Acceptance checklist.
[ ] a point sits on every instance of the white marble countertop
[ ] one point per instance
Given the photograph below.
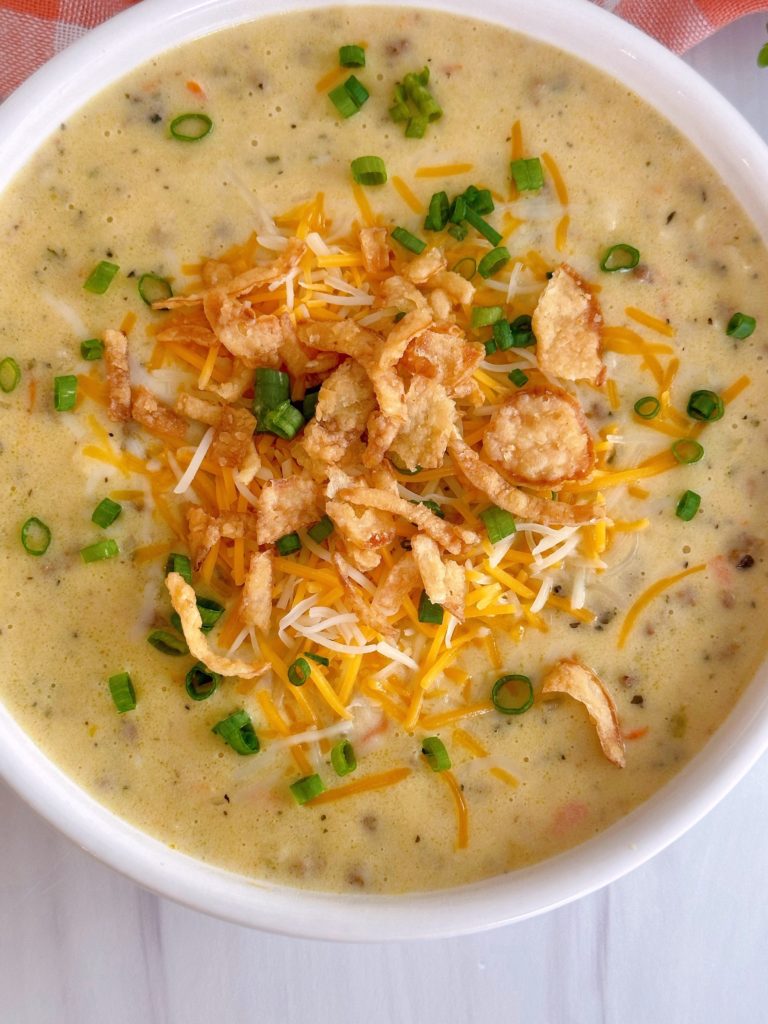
(682, 939)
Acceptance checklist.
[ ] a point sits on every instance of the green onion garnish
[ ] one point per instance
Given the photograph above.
(480, 199)
(318, 658)
(493, 261)
(762, 56)
(408, 241)
(400, 111)
(687, 452)
(101, 277)
(123, 693)
(153, 288)
(416, 127)
(431, 505)
(352, 56)
(35, 536)
(356, 90)
(527, 174)
(498, 523)
(522, 332)
(740, 326)
(238, 732)
(525, 700)
(191, 127)
(502, 335)
(369, 170)
(458, 210)
(518, 378)
(64, 392)
(620, 258)
(321, 531)
(309, 404)
(458, 231)
(180, 564)
(437, 217)
(688, 506)
(167, 643)
(433, 749)
(706, 406)
(307, 789)
(485, 229)
(288, 544)
(343, 758)
(106, 512)
(100, 551)
(210, 612)
(341, 98)
(285, 421)
(270, 389)
(200, 682)
(467, 267)
(484, 316)
(299, 672)
(10, 375)
(429, 612)
(490, 347)
(92, 348)
(647, 407)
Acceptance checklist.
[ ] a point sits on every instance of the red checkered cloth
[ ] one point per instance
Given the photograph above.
(31, 31)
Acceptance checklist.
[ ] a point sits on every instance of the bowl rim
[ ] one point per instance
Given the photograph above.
(735, 150)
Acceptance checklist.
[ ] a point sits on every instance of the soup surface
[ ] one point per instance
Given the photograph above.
(634, 618)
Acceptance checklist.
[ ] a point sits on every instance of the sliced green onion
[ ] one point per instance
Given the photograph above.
(237, 731)
(502, 335)
(518, 378)
(479, 199)
(428, 612)
(91, 349)
(285, 421)
(490, 347)
(467, 267)
(270, 389)
(342, 100)
(522, 332)
(400, 111)
(415, 85)
(620, 258)
(705, 406)
(762, 56)
(64, 392)
(100, 551)
(398, 316)
(318, 658)
(309, 404)
(416, 127)
(180, 564)
(522, 704)
(351, 56)
(408, 241)
(356, 90)
(458, 231)
(299, 672)
(288, 544)
(647, 407)
(307, 789)
(369, 170)
(527, 174)
(200, 682)
(439, 208)
(493, 261)
(322, 530)
(687, 452)
(167, 643)
(153, 288)
(343, 758)
(10, 375)
(402, 469)
(106, 512)
(101, 277)
(485, 229)
(740, 326)
(35, 536)
(458, 210)
(688, 506)
(123, 693)
(210, 612)
(433, 749)
(431, 505)
(498, 523)
(484, 316)
(191, 127)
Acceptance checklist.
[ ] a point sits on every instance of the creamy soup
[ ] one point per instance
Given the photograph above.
(536, 349)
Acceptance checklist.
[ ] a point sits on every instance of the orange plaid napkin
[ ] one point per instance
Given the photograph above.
(31, 31)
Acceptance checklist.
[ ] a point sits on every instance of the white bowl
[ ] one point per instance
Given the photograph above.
(737, 153)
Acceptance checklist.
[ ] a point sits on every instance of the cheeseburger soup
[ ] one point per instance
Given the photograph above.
(382, 450)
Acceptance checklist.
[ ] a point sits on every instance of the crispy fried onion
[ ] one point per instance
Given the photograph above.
(567, 323)
(285, 506)
(572, 677)
(184, 601)
(206, 530)
(233, 439)
(152, 414)
(541, 438)
(444, 581)
(365, 531)
(358, 603)
(118, 376)
(452, 538)
(374, 245)
(256, 599)
(401, 579)
(526, 506)
(445, 355)
(430, 414)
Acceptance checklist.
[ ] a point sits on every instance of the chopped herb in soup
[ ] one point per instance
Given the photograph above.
(382, 448)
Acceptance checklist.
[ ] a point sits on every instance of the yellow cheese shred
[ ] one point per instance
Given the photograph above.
(645, 599)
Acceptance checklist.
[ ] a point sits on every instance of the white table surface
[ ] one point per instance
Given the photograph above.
(682, 939)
